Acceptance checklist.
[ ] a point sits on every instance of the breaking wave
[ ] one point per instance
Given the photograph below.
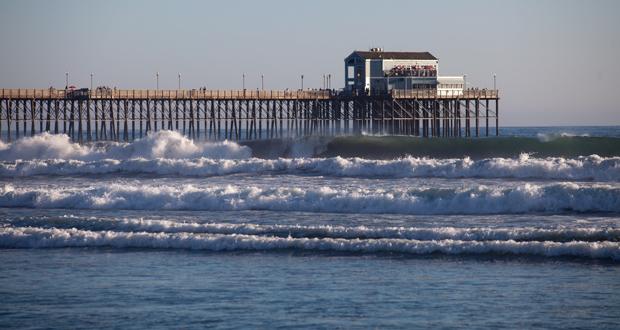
(61, 238)
(557, 234)
(547, 137)
(173, 145)
(161, 144)
(525, 198)
(581, 168)
(389, 147)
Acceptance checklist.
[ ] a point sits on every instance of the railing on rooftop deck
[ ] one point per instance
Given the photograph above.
(433, 93)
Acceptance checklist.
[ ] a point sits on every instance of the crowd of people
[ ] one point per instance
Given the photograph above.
(412, 71)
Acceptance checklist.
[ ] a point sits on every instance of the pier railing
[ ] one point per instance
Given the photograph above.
(195, 94)
(201, 94)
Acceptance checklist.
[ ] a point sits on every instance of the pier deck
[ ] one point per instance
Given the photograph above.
(114, 114)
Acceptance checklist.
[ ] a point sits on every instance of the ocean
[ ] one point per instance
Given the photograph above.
(517, 231)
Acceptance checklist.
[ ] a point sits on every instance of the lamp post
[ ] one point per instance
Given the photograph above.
(91, 81)
(329, 81)
(66, 80)
(243, 81)
(179, 80)
(157, 79)
(302, 82)
(494, 81)
(262, 82)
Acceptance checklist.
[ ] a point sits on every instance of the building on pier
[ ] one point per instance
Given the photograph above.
(378, 72)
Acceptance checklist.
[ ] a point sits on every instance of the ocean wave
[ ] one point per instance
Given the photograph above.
(390, 147)
(547, 137)
(524, 198)
(63, 238)
(581, 168)
(160, 144)
(172, 145)
(556, 234)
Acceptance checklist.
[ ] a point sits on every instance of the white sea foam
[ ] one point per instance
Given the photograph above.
(44, 146)
(559, 233)
(525, 198)
(161, 144)
(169, 153)
(582, 168)
(57, 238)
(547, 137)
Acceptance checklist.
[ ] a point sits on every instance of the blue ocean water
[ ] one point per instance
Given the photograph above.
(164, 232)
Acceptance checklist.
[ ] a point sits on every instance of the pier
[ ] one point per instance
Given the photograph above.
(385, 92)
(124, 115)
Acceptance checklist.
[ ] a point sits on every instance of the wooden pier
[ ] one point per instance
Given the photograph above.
(124, 115)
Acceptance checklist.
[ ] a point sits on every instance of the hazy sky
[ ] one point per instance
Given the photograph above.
(556, 61)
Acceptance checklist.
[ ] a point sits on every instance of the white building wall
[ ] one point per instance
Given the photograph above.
(450, 85)
(367, 75)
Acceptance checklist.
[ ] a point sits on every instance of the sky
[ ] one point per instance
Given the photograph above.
(556, 61)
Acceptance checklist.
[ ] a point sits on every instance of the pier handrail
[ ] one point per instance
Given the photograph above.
(202, 94)
(51, 93)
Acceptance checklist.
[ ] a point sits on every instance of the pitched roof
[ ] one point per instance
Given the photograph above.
(395, 55)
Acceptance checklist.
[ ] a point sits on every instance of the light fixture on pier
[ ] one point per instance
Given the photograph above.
(494, 81)
(91, 81)
(157, 79)
(179, 80)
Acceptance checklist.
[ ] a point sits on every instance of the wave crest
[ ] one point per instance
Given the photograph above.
(526, 198)
(160, 144)
(557, 233)
(582, 168)
(57, 238)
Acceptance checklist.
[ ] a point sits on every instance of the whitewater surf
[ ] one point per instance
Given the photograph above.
(362, 194)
